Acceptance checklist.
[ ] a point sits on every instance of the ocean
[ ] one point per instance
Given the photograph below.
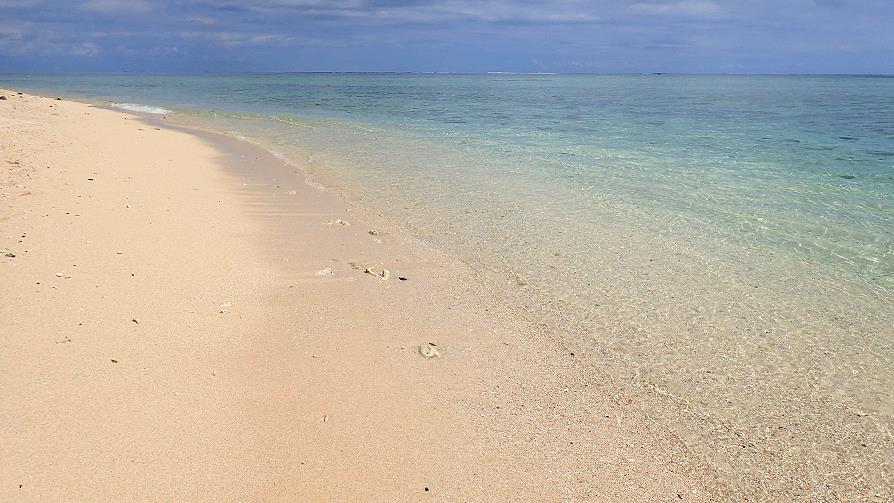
(723, 246)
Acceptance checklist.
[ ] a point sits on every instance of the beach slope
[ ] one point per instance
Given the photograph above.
(184, 318)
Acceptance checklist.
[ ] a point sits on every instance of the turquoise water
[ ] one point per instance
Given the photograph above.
(722, 245)
(803, 163)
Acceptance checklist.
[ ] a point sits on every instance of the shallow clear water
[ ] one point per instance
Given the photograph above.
(802, 163)
(722, 243)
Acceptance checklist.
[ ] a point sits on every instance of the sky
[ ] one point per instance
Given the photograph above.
(567, 36)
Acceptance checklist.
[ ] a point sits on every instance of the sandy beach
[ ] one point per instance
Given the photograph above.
(184, 318)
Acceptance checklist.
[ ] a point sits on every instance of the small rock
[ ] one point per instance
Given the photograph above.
(325, 272)
(135, 320)
(429, 351)
(2, 98)
(114, 360)
(119, 252)
(59, 274)
(385, 274)
(373, 233)
(402, 278)
(370, 270)
(58, 99)
(10, 255)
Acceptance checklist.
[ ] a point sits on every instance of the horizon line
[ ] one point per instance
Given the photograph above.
(481, 73)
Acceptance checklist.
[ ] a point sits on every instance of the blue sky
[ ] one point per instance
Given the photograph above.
(598, 36)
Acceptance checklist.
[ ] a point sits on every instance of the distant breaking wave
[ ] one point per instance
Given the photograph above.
(135, 107)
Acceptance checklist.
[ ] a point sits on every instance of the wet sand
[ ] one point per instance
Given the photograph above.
(184, 317)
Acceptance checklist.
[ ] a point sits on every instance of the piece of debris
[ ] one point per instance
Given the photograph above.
(135, 320)
(402, 278)
(339, 222)
(370, 270)
(429, 351)
(59, 274)
(325, 272)
(373, 233)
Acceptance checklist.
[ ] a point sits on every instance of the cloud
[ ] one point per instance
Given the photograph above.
(116, 6)
(447, 35)
(83, 49)
(12, 32)
(236, 39)
(11, 4)
(680, 8)
(19, 38)
(203, 20)
(431, 11)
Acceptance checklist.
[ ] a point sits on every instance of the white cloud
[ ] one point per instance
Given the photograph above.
(235, 39)
(203, 20)
(13, 31)
(679, 8)
(19, 38)
(19, 3)
(116, 6)
(433, 11)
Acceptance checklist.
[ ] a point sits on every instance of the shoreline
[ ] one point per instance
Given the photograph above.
(773, 444)
(328, 395)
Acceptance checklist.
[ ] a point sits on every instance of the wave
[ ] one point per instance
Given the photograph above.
(136, 107)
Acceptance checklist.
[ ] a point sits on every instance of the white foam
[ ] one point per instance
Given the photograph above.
(135, 107)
